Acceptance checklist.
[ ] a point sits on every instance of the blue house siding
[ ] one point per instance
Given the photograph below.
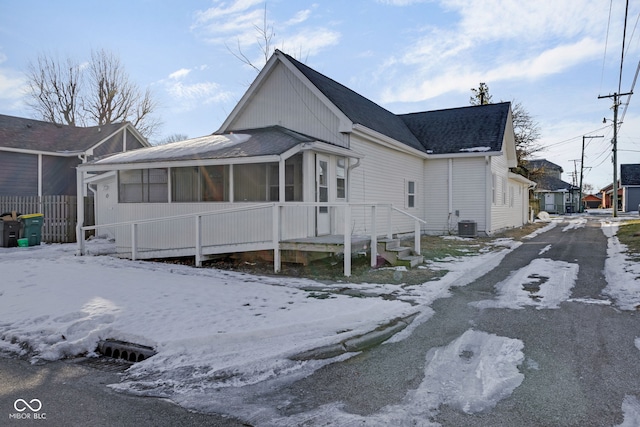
(59, 175)
(18, 174)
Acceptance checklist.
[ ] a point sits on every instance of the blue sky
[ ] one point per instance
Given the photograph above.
(555, 57)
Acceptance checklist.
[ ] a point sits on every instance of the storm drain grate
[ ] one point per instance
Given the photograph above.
(124, 350)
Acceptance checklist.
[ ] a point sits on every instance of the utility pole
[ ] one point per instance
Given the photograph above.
(616, 103)
(582, 167)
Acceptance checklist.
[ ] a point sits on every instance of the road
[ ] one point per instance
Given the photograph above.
(74, 394)
(580, 363)
(580, 359)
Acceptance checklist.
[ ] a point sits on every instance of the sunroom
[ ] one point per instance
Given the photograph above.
(220, 193)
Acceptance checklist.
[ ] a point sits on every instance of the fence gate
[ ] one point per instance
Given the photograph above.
(60, 213)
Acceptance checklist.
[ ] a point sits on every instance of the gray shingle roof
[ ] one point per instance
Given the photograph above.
(630, 174)
(466, 129)
(542, 164)
(29, 134)
(359, 109)
(550, 183)
(473, 128)
(267, 141)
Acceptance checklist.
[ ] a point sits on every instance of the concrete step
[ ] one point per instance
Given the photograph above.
(410, 261)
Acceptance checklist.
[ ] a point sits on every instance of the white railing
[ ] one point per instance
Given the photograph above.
(249, 228)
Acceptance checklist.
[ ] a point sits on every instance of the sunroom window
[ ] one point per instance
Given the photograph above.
(143, 186)
(200, 184)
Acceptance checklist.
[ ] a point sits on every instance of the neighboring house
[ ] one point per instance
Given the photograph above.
(607, 196)
(302, 156)
(554, 195)
(630, 183)
(40, 158)
(592, 201)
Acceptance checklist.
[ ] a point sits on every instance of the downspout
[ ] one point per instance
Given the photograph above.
(450, 188)
(489, 195)
(349, 169)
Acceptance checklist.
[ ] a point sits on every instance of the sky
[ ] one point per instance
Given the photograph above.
(242, 329)
(555, 57)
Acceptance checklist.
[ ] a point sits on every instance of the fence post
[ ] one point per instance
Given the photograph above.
(198, 219)
(374, 238)
(389, 213)
(134, 250)
(277, 262)
(347, 241)
(416, 243)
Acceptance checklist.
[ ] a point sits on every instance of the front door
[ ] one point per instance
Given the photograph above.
(323, 220)
(550, 202)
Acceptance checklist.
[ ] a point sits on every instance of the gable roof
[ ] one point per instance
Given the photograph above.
(543, 164)
(454, 131)
(467, 129)
(630, 174)
(46, 137)
(357, 108)
(550, 183)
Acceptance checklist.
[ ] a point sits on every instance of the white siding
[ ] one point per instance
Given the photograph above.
(382, 178)
(469, 191)
(284, 100)
(436, 184)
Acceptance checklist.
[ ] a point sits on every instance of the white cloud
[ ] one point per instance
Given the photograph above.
(496, 40)
(181, 73)
(197, 93)
(236, 24)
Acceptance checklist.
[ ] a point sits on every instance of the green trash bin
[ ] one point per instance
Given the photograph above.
(32, 228)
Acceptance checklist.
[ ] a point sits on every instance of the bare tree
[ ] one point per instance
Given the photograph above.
(172, 138)
(101, 93)
(265, 36)
(526, 130)
(54, 89)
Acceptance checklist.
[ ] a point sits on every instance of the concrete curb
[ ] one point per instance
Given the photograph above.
(359, 343)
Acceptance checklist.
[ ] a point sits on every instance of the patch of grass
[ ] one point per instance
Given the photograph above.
(629, 235)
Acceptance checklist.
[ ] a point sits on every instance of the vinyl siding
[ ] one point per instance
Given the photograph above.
(382, 178)
(500, 211)
(59, 175)
(284, 100)
(18, 174)
(436, 199)
(469, 191)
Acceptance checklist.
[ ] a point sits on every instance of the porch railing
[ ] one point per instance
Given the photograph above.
(249, 228)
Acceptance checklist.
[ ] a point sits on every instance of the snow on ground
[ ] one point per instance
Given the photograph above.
(228, 327)
(544, 283)
(472, 373)
(579, 222)
(631, 410)
(621, 274)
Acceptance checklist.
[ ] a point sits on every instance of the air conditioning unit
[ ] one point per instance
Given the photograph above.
(467, 228)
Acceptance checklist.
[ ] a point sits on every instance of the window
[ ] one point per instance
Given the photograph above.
(504, 190)
(411, 194)
(293, 179)
(256, 182)
(341, 190)
(200, 184)
(493, 188)
(143, 186)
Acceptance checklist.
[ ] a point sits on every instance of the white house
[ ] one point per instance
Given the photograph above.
(302, 156)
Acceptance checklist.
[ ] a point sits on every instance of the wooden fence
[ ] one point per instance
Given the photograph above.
(60, 214)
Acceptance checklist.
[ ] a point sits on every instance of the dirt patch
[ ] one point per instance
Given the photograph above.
(330, 270)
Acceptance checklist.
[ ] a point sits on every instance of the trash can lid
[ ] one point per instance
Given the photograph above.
(35, 215)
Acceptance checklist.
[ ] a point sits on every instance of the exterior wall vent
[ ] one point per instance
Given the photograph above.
(467, 228)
